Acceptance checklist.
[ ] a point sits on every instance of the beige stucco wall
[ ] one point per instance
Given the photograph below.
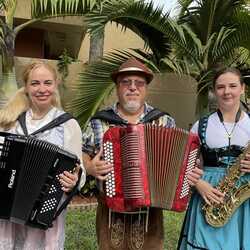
(176, 95)
(114, 39)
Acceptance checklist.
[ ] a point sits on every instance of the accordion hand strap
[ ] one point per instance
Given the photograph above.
(56, 122)
(153, 115)
(69, 196)
(111, 117)
(22, 120)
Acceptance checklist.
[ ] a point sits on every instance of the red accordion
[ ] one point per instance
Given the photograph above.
(151, 164)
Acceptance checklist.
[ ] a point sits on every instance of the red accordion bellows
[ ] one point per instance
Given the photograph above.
(150, 167)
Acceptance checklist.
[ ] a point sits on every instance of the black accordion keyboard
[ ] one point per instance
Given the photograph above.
(30, 191)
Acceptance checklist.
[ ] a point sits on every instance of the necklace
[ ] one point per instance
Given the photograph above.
(37, 118)
(229, 134)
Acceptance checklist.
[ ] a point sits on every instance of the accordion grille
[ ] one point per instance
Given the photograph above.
(131, 172)
(37, 159)
(165, 149)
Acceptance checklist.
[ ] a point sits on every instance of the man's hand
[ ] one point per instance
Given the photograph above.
(98, 167)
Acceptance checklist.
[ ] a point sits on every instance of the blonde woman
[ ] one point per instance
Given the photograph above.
(38, 102)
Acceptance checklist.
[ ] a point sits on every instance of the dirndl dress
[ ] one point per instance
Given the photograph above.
(196, 232)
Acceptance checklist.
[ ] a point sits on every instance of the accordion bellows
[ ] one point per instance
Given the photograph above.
(30, 191)
(151, 164)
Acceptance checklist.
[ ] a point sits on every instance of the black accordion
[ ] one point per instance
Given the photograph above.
(30, 191)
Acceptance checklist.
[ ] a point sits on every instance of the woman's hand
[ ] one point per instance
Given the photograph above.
(245, 164)
(68, 180)
(209, 193)
(195, 175)
(99, 168)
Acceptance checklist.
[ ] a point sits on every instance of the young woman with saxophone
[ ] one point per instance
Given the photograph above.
(223, 134)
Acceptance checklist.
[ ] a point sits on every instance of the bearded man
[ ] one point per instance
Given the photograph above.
(125, 231)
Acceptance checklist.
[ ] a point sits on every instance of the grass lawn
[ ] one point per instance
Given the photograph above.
(80, 230)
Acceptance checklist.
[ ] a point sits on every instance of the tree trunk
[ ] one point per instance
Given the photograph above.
(96, 46)
(202, 106)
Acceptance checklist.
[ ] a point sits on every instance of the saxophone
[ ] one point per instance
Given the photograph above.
(217, 215)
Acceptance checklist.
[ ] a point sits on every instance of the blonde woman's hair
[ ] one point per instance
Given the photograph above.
(20, 102)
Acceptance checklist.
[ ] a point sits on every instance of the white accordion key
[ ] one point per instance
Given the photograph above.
(48, 205)
(108, 157)
(3, 152)
(2, 139)
(52, 189)
(190, 165)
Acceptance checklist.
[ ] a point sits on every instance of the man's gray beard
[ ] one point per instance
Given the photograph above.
(132, 106)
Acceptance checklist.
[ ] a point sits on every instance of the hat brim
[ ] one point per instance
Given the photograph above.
(149, 76)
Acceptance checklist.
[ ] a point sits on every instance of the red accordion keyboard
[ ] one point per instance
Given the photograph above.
(151, 164)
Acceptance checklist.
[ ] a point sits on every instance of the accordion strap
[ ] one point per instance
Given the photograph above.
(69, 196)
(111, 117)
(56, 122)
(153, 115)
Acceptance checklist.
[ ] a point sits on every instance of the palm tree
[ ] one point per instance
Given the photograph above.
(95, 82)
(44, 9)
(8, 33)
(206, 32)
(223, 30)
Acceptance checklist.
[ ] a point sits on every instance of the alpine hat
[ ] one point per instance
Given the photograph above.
(132, 65)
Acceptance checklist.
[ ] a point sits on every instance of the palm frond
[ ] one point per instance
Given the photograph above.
(2, 5)
(174, 65)
(183, 6)
(3, 46)
(222, 45)
(6, 36)
(206, 17)
(43, 9)
(239, 36)
(240, 58)
(158, 31)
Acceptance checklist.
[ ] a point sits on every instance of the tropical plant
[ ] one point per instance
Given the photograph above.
(222, 28)
(51, 8)
(63, 64)
(64, 60)
(8, 33)
(205, 34)
(95, 82)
